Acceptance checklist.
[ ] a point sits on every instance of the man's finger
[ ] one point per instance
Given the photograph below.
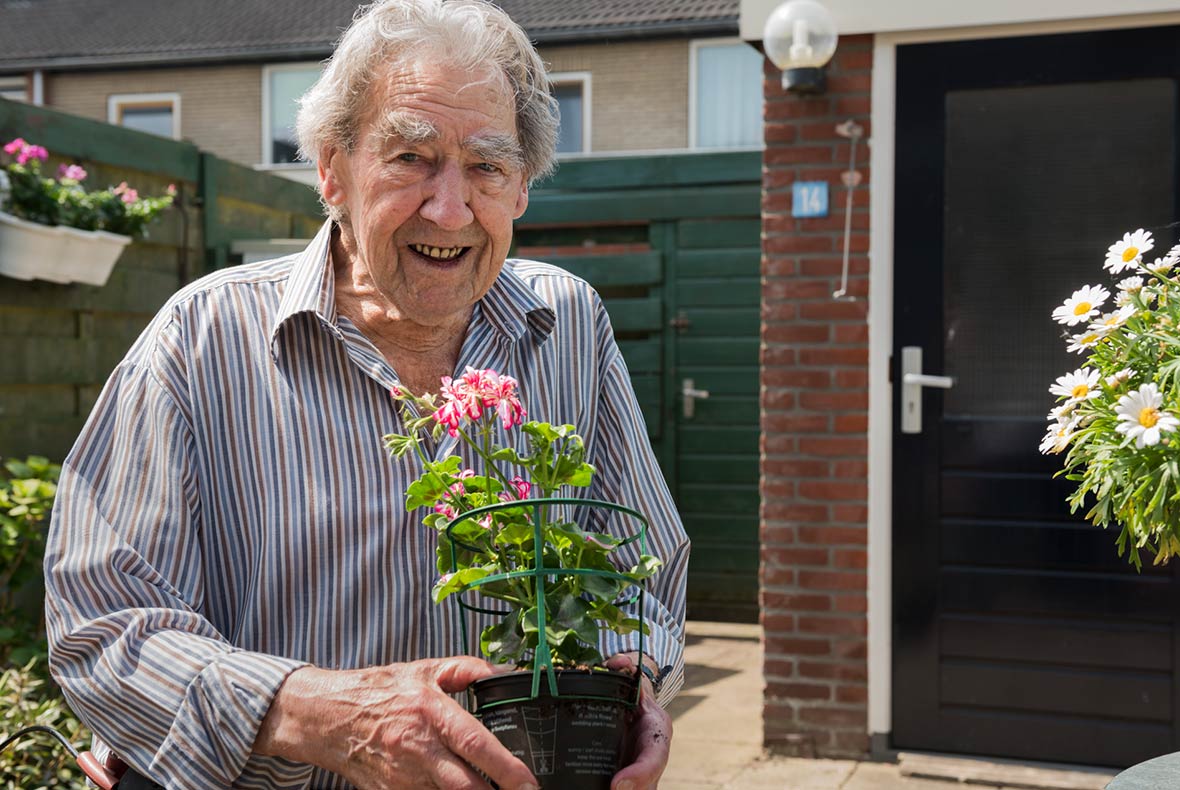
(653, 740)
(448, 772)
(466, 737)
(456, 674)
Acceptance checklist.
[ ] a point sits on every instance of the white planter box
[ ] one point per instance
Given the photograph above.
(29, 251)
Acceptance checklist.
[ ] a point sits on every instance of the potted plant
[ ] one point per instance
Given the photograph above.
(52, 229)
(505, 534)
(1118, 413)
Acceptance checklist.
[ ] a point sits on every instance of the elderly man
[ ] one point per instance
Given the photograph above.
(235, 595)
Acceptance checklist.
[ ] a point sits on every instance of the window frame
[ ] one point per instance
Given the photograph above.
(585, 79)
(267, 161)
(694, 46)
(116, 102)
(13, 82)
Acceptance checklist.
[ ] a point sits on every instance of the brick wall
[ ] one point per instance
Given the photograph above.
(814, 420)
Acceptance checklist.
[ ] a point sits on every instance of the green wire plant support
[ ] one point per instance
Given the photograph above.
(542, 657)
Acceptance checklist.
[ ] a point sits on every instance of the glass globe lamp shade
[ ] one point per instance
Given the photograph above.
(800, 38)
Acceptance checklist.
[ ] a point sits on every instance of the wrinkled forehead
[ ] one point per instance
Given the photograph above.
(435, 89)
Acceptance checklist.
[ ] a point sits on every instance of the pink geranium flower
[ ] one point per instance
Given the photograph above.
(31, 152)
(72, 172)
(476, 392)
(16, 145)
(128, 194)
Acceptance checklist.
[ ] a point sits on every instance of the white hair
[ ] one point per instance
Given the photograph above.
(472, 34)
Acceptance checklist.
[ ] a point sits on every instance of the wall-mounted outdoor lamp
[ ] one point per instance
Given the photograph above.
(800, 38)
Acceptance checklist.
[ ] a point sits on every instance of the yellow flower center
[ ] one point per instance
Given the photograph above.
(1113, 320)
(1149, 416)
(1130, 254)
(1089, 339)
(1080, 391)
(1082, 308)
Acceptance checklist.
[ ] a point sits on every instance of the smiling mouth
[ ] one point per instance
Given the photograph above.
(438, 254)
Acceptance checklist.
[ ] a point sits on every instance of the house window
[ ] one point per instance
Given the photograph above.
(572, 91)
(14, 89)
(281, 88)
(725, 95)
(154, 113)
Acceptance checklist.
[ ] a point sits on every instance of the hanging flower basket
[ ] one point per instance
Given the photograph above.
(31, 251)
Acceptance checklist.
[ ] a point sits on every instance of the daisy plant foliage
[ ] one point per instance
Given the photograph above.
(492, 543)
(1117, 415)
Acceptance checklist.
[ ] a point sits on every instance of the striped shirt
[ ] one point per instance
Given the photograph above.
(229, 513)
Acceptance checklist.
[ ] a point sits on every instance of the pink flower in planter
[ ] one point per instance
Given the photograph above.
(520, 488)
(171, 190)
(31, 152)
(16, 145)
(128, 194)
(72, 172)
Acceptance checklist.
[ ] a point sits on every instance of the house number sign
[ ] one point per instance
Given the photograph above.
(809, 199)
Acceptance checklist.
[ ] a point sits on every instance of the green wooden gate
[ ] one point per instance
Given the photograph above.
(672, 244)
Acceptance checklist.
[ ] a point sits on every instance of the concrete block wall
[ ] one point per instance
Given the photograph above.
(814, 414)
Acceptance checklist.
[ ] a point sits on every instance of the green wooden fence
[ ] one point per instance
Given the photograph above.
(60, 342)
(672, 244)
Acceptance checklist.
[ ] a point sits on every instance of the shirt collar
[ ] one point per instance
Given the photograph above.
(311, 287)
(510, 306)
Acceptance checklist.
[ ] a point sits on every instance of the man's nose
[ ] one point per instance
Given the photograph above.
(447, 196)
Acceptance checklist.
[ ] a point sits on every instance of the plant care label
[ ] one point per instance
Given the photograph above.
(565, 743)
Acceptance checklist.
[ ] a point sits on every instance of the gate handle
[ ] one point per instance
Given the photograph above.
(689, 393)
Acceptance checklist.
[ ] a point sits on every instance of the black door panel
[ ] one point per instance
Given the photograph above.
(1018, 631)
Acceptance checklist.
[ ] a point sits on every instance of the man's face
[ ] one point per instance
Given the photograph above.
(431, 187)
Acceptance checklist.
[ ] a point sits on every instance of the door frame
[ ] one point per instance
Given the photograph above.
(880, 322)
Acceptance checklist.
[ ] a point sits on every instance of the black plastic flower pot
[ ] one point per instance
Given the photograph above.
(574, 741)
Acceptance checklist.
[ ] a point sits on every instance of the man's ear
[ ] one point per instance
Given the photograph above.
(332, 167)
(522, 200)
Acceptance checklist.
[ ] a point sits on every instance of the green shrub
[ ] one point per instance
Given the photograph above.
(36, 760)
(26, 500)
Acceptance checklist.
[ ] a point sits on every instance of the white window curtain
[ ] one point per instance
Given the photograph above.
(728, 96)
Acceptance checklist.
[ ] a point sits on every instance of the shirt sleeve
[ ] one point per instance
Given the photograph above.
(629, 474)
(138, 661)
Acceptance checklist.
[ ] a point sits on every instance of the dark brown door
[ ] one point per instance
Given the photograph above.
(1018, 631)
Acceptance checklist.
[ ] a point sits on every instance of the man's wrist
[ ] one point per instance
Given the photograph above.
(656, 678)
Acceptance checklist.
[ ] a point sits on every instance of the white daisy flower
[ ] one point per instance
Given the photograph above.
(1121, 377)
(1141, 418)
(1080, 343)
(1130, 284)
(1061, 413)
(1173, 254)
(1161, 265)
(1058, 437)
(1078, 386)
(1081, 306)
(1113, 320)
(1122, 299)
(1128, 253)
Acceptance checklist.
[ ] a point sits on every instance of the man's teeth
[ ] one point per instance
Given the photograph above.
(438, 253)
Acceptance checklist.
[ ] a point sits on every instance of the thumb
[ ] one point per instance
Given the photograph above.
(457, 673)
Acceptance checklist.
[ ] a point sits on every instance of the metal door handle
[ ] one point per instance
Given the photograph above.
(690, 393)
(912, 382)
(922, 380)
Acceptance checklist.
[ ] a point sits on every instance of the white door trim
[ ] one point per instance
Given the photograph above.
(880, 434)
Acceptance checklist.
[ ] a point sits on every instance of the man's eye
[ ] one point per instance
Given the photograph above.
(488, 167)
(408, 157)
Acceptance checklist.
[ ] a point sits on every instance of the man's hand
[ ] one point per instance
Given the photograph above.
(390, 727)
(651, 733)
